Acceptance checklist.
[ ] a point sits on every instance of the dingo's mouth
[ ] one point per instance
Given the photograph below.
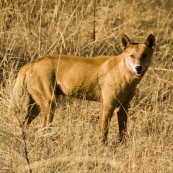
(139, 70)
(139, 74)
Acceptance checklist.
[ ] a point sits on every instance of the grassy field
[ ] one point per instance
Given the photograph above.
(34, 28)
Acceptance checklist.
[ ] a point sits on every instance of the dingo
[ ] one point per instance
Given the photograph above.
(111, 80)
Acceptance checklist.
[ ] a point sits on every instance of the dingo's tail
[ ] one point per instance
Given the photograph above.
(20, 98)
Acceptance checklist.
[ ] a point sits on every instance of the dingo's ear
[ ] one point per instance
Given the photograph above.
(125, 41)
(150, 41)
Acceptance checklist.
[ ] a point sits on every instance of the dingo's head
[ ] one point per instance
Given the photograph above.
(138, 56)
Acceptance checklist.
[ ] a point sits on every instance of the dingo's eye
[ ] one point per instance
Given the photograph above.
(132, 56)
(144, 55)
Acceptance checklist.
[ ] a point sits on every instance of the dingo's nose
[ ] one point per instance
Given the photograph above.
(138, 68)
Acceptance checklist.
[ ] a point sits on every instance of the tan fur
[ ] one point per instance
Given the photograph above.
(111, 80)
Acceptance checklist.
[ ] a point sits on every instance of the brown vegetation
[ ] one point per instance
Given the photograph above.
(30, 29)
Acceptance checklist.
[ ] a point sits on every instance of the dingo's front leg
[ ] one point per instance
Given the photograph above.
(122, 120)
(104, 122)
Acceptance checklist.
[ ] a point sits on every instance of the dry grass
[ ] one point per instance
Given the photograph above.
(30, 29)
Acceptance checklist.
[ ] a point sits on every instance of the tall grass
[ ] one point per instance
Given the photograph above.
(31, 29)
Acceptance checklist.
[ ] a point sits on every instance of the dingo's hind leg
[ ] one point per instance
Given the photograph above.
(47, 109)
(32, 113)
(46, 106)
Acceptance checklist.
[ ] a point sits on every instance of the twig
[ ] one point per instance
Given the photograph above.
(76, 159)
(161, 69)
(25, 148)
(94, 22)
